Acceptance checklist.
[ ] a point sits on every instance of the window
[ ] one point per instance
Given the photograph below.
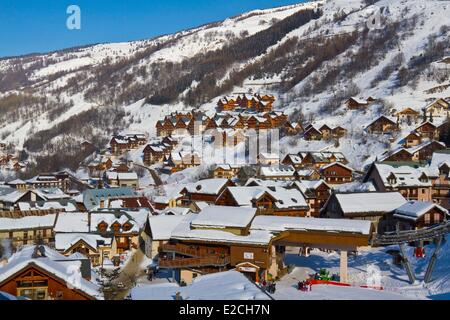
(427, 218)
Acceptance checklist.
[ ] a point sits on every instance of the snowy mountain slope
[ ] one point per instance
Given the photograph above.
(312, 56)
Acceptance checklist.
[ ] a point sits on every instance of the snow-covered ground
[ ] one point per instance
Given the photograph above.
(372, 267)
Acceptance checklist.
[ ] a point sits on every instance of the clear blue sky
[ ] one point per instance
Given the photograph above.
(28, 26)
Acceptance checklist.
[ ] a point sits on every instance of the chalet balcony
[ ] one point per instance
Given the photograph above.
(211, 261)
(192, 251)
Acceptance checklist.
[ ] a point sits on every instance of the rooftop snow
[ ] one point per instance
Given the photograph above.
(224, 216)
(370, 201)
(280, 223)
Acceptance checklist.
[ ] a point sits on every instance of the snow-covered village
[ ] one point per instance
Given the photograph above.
(300, 152)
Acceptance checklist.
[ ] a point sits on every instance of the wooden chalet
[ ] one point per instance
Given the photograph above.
(408, 116)
(428, 130)
(413, 182)
(336, 173)
(316, 193)
(382, 125)
(399, 154)
(207, 190)
(424, 151)
(438, 108)
(362, 205)
(355, 103)
(40, 273)
(312, 134)
(412, 139)
(414, 215)
(326, 131)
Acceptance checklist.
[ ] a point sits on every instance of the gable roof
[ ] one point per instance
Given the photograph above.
(54, 264)
(415, 209)
(369, 201)
(224, 216)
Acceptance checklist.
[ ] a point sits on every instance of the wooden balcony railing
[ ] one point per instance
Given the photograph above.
(194, 262)
(192, 251)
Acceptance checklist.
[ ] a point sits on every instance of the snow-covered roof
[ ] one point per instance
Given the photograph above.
(244, 196)
(55, 264)
(184, 232)
(51, 193)
(415, 209)
(370, 201)
(162, 226)
(207, 186)
(404, 175)
(64, 241)
(337, 164)
(28, 222)
(281, 223)
(48, 205)
(276, 171)
(110, 218)
(72, 222)
(224, 216)
(233, 286)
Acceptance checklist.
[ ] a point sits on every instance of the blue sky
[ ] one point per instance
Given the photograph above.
(28, 26)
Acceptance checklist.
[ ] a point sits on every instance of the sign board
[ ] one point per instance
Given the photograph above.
(247, 269)
(248, 255)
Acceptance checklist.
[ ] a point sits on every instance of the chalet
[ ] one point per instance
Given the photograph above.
(425, 150)
(27, 230)
(61, 181)
(280, 172)
(158, 231)
(226, 171)
(91, 246)
(41, 273)
(440, 164)
(307, 174)
(326, 131)
(207, 190)
(408, 116)
(181, 160)
(312, 134)
(414, 183)
(119, 226)
(362, 206)
(154, 154)
(268, 159)
(336, 173)
(317, 159)
(18, 184)
(10, 198)
(292, 128)
(399, 154)
(355, 103)
(338, 132)
(122, 179)
(428, 130)
(438, 108)
(316, 193)
(415, 215)
(293, 160)
(119, 145)
(220, 238)
(382, 125)
(412, 139)
(273, 200)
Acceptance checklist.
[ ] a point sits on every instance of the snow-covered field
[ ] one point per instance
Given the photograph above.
(373, 267)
